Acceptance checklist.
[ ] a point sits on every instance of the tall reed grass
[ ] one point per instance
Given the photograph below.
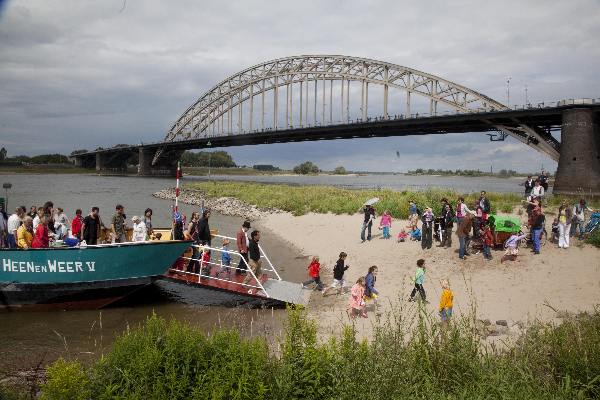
(407, 358)
(300, 200)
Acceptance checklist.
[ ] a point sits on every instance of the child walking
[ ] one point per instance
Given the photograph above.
(338, 274)
(386, 224)
(314, 274)
(356, 303)
(512, 247)
(370, 292)
(225, 259)
(446, 302)
(419, 278)
(488, 240)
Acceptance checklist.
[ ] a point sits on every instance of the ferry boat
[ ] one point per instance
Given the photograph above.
(82, 277)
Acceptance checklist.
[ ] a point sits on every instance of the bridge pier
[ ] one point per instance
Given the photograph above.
(579, 164)
(112, 163)
(166, 165)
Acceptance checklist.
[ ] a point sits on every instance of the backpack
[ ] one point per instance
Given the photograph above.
(419, 212)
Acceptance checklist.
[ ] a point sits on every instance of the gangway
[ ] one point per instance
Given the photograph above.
(267, 289)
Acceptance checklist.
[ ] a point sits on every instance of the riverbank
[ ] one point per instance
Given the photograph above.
(45, 169)
(536, 287)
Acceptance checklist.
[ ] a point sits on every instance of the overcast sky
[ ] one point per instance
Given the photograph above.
(82, 74)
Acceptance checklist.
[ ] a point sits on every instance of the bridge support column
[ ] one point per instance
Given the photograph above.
(145, 162)
(100, 158)
(579, 164)
(78, 162)
(166, 165)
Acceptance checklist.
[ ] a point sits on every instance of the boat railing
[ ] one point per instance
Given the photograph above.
(202, 275)
(262, 255)
(222, 267)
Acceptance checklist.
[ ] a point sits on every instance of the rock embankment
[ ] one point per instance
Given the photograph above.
(222, 205)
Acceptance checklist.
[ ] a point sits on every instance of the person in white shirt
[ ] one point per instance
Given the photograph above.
(14, 221)
(139, 229)
(36, 220)
(538, 190)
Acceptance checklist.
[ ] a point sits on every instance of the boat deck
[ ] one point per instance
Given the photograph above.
(275, 290)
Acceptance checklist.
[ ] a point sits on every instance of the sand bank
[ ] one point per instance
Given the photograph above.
(535, 287)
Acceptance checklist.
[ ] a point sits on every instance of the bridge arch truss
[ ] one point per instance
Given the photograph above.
(213, 113)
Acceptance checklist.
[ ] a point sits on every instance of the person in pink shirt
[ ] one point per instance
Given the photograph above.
(356, 303)
(386, 224)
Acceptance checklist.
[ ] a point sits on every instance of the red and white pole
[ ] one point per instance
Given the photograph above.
(177, 186)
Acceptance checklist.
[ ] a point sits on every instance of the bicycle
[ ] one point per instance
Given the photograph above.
(592, 224)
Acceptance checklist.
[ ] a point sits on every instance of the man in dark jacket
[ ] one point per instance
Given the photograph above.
(254, 256)
(369, 216)
(448, 224)
(485, 205)
(204, 235)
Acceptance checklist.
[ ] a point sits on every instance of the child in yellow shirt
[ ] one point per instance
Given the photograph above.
(446, 302)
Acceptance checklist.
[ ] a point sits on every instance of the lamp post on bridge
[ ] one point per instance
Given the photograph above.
(508, 91)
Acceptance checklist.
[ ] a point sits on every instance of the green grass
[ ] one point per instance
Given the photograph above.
(594, 238)
(408, 357)
(300, 200)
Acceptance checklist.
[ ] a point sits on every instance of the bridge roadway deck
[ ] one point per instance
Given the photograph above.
(549, 118)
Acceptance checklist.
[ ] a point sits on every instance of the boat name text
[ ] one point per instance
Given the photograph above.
(9, 265)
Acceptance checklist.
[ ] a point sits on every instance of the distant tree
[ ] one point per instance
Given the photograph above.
(218, 159)
(81, 151)
(2, 154)
(305, 168)
(265, 167)
(339, 170)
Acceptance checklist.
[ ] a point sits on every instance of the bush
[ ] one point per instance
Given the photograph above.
(306, 168)
(594, 238)
(409, 356)
(66, 380)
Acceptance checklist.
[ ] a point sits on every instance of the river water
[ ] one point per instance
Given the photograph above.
(388, 181)
(32, 337)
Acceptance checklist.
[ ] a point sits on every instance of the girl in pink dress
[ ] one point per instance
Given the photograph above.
(386, 224)
(356, 303)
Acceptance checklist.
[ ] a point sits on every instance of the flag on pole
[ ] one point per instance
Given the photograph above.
(178, 176)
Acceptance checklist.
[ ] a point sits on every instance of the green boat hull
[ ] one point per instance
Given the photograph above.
(90, 277)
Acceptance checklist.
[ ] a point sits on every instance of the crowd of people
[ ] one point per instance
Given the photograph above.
(472, 225)
(46, 225)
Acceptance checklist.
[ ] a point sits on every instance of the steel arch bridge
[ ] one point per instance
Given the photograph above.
(309, 99)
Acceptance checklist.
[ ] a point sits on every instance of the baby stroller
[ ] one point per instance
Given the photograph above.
(438, 227)
(593, 223)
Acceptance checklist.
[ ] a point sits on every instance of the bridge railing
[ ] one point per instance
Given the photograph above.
(394, 117)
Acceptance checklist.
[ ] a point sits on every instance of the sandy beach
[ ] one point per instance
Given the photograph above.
(535, 287)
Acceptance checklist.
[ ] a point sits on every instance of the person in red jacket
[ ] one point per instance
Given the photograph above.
(314, 274)
(488, 241)
(76, 224)
(40, 239)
